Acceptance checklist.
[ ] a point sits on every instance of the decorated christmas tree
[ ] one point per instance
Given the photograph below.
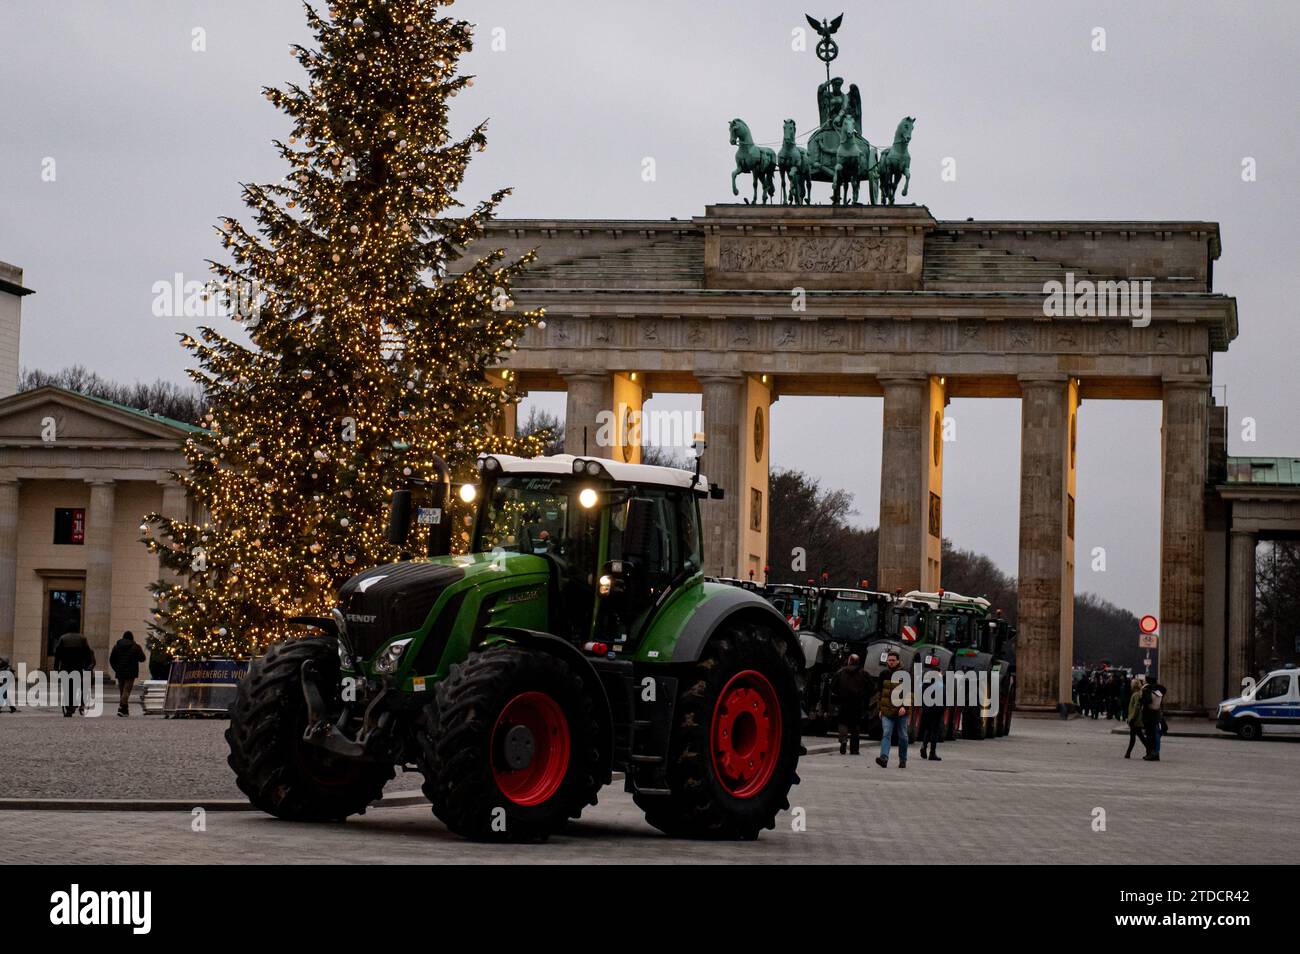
(367, 348)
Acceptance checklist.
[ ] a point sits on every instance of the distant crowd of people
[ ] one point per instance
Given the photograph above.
(1103, 694)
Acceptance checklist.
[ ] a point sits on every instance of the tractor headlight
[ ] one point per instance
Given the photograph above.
(578, 465)
(387, 660)
(468, 492)
(587, 497)
(593, 468)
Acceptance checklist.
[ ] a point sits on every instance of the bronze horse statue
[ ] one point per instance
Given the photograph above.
(759, 161)
(895, 163)
(855, 160)
(793, 163)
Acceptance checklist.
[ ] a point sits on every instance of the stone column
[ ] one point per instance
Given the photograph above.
(911, 468)
(722, 404)
(8, 568)
(175, 504)
(627, 397)
(752, 477)
(1183, 447)
(1046, 588)
(1241, 608)
(508, 419)
(98, 601)
(588, 396)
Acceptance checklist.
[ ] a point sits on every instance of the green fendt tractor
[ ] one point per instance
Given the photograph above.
(845, 623)
(576, 638)
(969, 645)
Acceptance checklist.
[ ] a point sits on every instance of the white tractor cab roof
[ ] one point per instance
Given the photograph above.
(949, 600)
(849, 593)
(594, 468)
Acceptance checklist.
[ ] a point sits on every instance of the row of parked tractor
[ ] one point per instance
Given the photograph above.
(937, 631)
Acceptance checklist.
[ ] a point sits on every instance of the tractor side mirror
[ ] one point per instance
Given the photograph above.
(399, 518)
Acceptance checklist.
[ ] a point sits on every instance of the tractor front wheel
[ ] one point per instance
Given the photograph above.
(510, 749)
(735, 743)
(280, 773)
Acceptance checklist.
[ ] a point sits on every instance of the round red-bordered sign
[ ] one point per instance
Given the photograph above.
(1149, 624)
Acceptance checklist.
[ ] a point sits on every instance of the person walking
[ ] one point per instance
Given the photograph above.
(73, 657)
(8, 686)
(1135, 733)
(932, 706)
(850, 692)
(1152, 702)
(125, 661)
(893, 712)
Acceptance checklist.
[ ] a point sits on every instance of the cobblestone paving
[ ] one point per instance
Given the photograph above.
(43, 755)
(1027, 798)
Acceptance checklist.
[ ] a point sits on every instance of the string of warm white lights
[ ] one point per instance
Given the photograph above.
(366, 355)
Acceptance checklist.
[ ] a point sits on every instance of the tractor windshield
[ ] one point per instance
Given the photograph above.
(537, 515)
(848, 619)
(956, 631)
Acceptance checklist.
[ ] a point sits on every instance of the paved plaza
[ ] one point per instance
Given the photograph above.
(1031, 797)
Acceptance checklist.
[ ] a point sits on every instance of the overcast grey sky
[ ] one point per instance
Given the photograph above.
(151, 138)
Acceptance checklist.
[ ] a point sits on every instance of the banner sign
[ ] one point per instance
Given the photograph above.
(203, 686)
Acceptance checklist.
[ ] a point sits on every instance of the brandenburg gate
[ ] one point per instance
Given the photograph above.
(747, 303)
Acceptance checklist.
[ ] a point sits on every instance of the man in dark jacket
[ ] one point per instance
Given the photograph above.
(850, 691)
(73, 655)
(125, 662)
(932, 705)
(1152, 718)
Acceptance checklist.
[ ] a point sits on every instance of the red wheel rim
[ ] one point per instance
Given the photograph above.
(745, 738)
(544, 720)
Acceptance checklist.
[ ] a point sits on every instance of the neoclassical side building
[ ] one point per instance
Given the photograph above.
(77, 474)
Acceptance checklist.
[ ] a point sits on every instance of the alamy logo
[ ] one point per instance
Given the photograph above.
(94, 908)
(178, 298)
(1123, 298)
(37, 689)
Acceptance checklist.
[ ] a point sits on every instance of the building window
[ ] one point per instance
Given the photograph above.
(70, 525)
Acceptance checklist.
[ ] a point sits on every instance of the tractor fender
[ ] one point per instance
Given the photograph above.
(550, 643)
(734, 603)
(812, 649)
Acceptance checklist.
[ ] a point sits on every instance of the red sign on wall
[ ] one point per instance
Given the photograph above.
(79, 526)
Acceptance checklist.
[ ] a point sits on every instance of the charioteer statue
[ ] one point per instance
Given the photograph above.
(837, 152)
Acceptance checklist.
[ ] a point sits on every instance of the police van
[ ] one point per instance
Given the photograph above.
(1274, 702)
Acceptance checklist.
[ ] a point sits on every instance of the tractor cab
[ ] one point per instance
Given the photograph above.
(798, 604)
(616, 538)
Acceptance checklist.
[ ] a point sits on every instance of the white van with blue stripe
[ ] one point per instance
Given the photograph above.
(1274, 702)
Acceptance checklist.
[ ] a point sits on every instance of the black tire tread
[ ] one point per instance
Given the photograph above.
(264, 731)
(696, 808)
(454, 736)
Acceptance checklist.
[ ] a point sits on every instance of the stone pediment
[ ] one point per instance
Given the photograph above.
(32, 418)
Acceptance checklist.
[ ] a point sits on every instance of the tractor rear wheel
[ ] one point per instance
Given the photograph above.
(735, 745)
(280, 773)
(510, 748)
